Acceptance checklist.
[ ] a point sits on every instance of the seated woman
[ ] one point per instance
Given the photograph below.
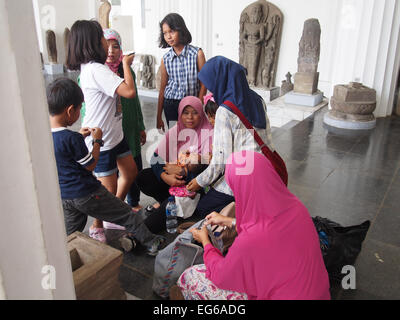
(226, 80)
(182, 154)
(276, 255)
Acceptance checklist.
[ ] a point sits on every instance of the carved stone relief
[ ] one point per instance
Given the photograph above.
(104, 14)
(259, 42)
(146, 75)
(51, 46)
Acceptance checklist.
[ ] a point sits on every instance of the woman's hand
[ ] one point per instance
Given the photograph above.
(193, 186)
(160, 124)
(201, 235)
(215, 218)
(128, 59)
(171, 169)
(143, 138)
(172, 180)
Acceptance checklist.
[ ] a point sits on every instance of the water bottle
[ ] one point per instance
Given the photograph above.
(171, 212)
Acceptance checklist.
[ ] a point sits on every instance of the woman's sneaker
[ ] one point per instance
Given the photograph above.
(154, 248)
(97, 234)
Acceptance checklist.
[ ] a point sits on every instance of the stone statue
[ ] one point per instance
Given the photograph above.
(306, 79)
(51, 46)
(147, 73)
(309, 50)
(104, 14)
(287, 84)
(66, 38)
(352, 107)
(259, 42)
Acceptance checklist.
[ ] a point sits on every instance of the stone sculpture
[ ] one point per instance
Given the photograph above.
(352, 107)
(51, 46)
(104, 14)
(259, 42)
(287, 84)
(307, 76)
(66, 38)
(147, 74)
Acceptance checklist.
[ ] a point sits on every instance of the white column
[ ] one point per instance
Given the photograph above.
(32, 232)
(367, 48)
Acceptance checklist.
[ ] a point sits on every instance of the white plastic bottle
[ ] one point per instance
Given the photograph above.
(171, 211)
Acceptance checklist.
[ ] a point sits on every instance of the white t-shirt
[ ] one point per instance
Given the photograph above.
(103, 105)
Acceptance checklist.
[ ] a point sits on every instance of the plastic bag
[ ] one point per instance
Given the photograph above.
(340, 246)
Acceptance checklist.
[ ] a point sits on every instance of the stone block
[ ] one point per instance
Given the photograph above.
(309, 100)
(54, 68)
(269, 94)
(305, 82)
(95, 268)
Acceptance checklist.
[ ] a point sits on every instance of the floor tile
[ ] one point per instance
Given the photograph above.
(386, 227)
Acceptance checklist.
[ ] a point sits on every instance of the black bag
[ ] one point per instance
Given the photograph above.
(340, 246)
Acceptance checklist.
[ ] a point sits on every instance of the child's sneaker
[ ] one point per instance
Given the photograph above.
(153, 249)
(97, 234)
(127, 243)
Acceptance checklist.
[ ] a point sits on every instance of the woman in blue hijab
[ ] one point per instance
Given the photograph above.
(227, 81)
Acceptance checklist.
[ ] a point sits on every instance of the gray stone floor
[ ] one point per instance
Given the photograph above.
(346, 176)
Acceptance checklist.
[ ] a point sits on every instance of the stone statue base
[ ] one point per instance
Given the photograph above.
(332, 120)
(308, 100)
(268, 94)
(306, 82)
(54, 68)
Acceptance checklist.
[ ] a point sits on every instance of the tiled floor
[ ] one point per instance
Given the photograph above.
(346, 176)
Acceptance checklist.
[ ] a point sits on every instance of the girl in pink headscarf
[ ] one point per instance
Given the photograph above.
(276, 255)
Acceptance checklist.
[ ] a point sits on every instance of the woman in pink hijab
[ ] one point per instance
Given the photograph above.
(276, 255)
(192, 133)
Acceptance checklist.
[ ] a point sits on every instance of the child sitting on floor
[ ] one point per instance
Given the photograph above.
(82, 194)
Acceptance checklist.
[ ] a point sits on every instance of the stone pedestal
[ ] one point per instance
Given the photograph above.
(95, 268)
(308, 100)
(306, 82)
(269, 94)
(352, 107)
(54, 68)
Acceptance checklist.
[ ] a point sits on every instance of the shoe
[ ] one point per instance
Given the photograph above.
(127, 243)
(150, 209)
(153, 249)
(112, 226)
(97, 234)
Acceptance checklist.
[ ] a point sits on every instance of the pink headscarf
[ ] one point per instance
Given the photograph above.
(179, 138)
(276, 254)
(111, 34)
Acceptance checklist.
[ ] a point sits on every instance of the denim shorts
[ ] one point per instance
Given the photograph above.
(107, 164)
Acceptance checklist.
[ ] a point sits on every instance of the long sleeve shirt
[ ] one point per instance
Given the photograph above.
(230, 135)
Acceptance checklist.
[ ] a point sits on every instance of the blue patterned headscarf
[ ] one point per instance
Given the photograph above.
(227, 80)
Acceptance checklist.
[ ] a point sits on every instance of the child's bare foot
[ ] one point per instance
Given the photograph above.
(137, 208)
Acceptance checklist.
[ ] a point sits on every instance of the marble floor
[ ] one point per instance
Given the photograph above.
(346, 176)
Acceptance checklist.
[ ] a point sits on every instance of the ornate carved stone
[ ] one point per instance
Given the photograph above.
(147, 79)
(287, 84)
(259, 42)
(104, 14)
(354, 102)
(306, 79)
(51, 46)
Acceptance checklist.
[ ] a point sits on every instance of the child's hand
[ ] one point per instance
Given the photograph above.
(128, 59)
(160, 124)
(142, 138)
(85, 132)
(97, 133)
